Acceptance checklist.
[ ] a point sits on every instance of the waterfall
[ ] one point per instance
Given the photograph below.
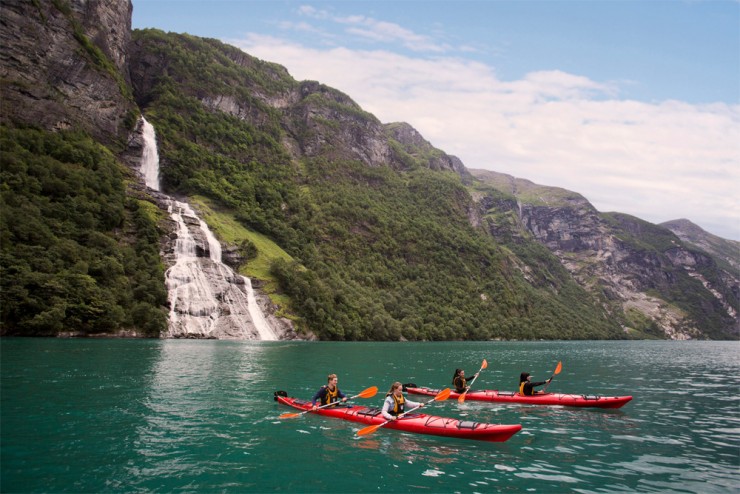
(150, 157)
(207, 298)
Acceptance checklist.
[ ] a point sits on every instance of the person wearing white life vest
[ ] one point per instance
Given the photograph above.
(396, 403)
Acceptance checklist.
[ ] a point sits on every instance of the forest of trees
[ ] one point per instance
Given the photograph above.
(78, 254)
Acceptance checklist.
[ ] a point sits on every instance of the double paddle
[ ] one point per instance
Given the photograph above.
(441, 396)
(557, 371)
(461, 398)
(368, 393)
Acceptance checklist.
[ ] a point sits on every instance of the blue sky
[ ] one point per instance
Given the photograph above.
(633, 103)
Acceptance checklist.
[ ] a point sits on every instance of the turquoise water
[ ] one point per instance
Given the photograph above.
(198, 416)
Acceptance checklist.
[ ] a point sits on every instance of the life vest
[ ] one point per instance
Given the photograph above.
(329, 395)
(398, 405)
(521, 388)
(463, 382)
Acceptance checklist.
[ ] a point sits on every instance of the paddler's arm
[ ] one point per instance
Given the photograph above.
(413, 404)
(318, 396)
(341, 395)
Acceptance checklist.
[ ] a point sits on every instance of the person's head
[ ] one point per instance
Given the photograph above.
(396, 389)
(332, 379)
(458, 372)
(524, 377)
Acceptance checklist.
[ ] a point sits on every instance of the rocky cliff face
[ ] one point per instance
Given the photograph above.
(726, 250)
(634, 267)
(422, 151)
(64, 65)
(317, 120)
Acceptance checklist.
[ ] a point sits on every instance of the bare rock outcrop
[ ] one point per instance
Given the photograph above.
(65, 65)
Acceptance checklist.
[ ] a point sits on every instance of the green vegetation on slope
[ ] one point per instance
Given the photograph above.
(77, 255)
(377, 254)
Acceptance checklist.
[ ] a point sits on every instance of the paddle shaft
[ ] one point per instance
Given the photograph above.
(368, 393)
(442, 395)
(557, 371)
(461, 398)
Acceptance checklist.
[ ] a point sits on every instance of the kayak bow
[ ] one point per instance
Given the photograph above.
(566, 400)
(418, 423)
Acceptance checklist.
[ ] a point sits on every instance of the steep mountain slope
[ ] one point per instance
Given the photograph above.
(659, 283)
(726, 252)
(79, 243)
(384, 236)
(378, 218)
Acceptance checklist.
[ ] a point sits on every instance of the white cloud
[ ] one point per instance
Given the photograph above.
(657, 161)
(374, 30)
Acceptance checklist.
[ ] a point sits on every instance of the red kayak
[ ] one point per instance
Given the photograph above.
(419, 423)
(565, 400)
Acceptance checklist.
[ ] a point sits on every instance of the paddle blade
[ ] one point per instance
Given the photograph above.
(369, 392)
(558, 368)
(442, 395)
(368, 430)
(289, 415)
(484, 364)
(461, 398)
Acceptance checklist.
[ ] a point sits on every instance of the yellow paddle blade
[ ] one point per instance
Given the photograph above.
(369, 392)
(289, 415)
(558, 368)
(368, 430)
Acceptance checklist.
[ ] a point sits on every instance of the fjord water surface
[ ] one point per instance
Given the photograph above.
(198, 416)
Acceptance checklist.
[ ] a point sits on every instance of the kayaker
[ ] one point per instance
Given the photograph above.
(460, 381)
(526, 386)
(328, 393)
(396, 403)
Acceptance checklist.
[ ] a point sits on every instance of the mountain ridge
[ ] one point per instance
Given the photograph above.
(390, 238)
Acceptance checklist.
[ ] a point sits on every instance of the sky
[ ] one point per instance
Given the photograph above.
(634, 104)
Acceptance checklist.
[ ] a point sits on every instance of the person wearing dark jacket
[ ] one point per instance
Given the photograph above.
(526, 386)
(329, 393)
(460, 381)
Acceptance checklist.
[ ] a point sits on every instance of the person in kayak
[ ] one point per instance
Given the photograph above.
(526, 386)
(395, 403)
(328, 393)
(460, 381)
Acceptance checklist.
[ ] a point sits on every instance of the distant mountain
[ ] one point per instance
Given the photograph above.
(727, 251)
(381, 235)
(636, 268)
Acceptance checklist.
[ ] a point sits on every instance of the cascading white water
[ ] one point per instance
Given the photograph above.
(207, 298)
(150, 156)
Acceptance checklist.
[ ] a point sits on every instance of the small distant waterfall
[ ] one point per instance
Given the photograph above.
(207, 298)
